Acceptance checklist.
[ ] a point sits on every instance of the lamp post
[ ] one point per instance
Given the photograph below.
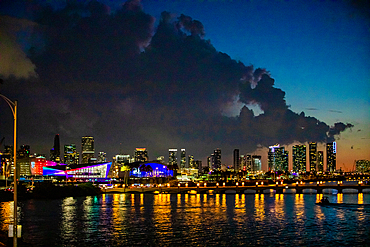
(13, 107)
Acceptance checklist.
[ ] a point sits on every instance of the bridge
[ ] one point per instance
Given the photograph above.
(257, 189)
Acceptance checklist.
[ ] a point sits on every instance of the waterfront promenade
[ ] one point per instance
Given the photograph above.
(257, 189)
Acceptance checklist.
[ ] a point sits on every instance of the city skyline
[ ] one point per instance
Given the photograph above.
(133, 77)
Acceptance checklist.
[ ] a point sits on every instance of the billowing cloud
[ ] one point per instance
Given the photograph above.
(13, 59)
(110, 75)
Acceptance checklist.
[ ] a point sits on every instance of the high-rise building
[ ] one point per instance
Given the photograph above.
(141, 155)
(299, 158)
(236, 160)
(362, 166)
(216, 159)
(278, 158)
(198, 165)
(102, 157)
(331, 156)
(55, 151)
(172, 156)
(183, 159)
(191, 163)
(87, 150)
(248, 163)
(209, 163)
(71, 156)
(257, 163)
(313, 156)
(320, 161)
(23, 161)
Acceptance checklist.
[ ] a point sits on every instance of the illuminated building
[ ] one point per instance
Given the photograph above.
(209, 164)
(248, 163)
(216, 159)
(6, 160)
(331, 154)
(37, 165)
(278, 158)
(87, 150)
(191, 161)
(151, 169)
(320, 161)
(141, 155)
(198, 165)
(236, 160)
(257, 163)
(70, 154)
(313, 156)
(172, 157)
(183, 159)
(120, 162)
(85, 172)
(362, 166)
(299, 158)
(102, 157)
(55, 151)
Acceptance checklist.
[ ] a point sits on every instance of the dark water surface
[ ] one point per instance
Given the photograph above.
(192, 220)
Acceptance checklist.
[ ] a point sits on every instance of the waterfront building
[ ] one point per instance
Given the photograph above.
(320, 161)
(248, 163)
(299, 158)
(183, 164)
(55, 151)
(236, 160)
(216, 159)
(331, 156)
(191, 163)
(37, 165)
(362, 166)
(151, 169)
(278, 158)
(85, 172)
(87, 150)
(71, 156)
(256, 164)
(172, 156)
(313, 156)
(102, 157)
(141, 155)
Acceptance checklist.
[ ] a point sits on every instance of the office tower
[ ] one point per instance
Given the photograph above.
(320, 161)
(141, 155)
(191, 163)
(236, 160)
(172, 156)
(299, 158)
(87, 150)
(55, 151)
(23, 161)
(102, 157)
(198, 165)
(216, 159)
(313, 156)
(362, 166)
(183, 159)
(256, 163)
(331, 154)
(71, 156)
(23, 152)
(278, 158)
(209, 163)
(242, 165)
(248, 163)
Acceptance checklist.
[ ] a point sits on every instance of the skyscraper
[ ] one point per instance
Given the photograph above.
(299, 158)
(172, 156)
(278, 158)
(320, 161)
(191, 163)
(236, 160)
(216, 159)
(102, 157)
(55, 151)
(183, 159)
(331, 156)
(248, 163)
(256, 163)
(141, 155)
(70, 154)
(313, 156)
(87, 150)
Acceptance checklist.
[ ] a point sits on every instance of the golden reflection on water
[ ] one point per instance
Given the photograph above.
(6, 214)
(69, 213)
(340, 198)
(259, 205)
(360, 198)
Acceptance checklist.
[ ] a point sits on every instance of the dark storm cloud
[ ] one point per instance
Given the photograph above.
(108, 74)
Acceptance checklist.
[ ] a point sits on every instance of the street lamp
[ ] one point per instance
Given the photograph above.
(13, 107)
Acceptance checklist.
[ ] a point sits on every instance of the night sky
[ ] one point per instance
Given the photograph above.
(198, 75)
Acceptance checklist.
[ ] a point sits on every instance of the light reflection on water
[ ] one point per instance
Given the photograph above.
(198, 220)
